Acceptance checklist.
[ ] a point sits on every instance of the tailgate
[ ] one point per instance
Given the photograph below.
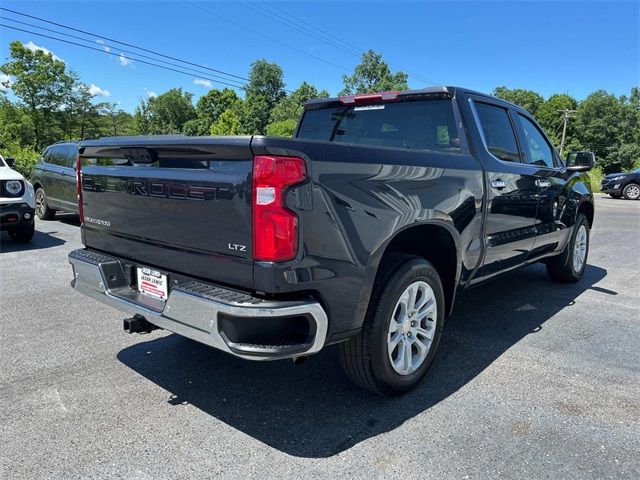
(179, 204)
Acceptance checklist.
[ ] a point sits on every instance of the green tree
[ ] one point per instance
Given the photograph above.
(254, 115)
(624, 157)
(142, 118)
(598, 126)
(283, 128)
(41, 84)
(164, 114)
(208, 109)
(373, 75)
(15, 124)
(266, 80)
(630, 117)
(527, 99)
(549, 115)
(84, 112)
(264, 90)
(211, 105)
(291, 106)
(116, 121)
(227, 123)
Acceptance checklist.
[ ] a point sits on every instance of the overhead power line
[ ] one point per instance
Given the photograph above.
(308, 26)
(301, 28)
(328, 38)
(164, 67)
(130, 54)
(160, 54)
(268, 37)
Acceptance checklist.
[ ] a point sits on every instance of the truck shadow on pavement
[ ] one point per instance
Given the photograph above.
(39, 241)
(312, 410)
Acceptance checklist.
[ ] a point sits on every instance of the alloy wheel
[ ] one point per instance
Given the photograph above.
(40, 202)
(580, 248)
(412, 328)
(633, 192)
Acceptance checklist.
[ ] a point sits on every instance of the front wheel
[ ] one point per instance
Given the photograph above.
(614, 195)
(402, 329)
(631, 192)
(23, 234)
(570, 265)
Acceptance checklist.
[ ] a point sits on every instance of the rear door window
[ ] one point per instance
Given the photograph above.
(72, 153)
(498, 132)
(58, 155)
(418, 124)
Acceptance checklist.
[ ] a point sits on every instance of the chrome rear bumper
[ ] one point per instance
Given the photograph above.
(194, 309)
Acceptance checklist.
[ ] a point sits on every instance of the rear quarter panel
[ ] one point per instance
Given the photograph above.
(355, 202)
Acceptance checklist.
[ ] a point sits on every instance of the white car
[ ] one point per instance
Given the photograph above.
(17, 203)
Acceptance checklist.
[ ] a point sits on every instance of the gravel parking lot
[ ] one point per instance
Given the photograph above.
(532, 380)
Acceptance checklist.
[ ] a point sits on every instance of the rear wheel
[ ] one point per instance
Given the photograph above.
(570, 265)
(631, 191)
(23, 234)
(42, 208)
(402, 329)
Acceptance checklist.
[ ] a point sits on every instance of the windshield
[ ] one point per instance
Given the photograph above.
(2, 164)
(421, 125)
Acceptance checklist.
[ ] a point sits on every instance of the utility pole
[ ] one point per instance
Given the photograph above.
(566, 115)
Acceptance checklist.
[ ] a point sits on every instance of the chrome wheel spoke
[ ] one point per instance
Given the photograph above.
(427, 309)
(395, 339)
(425, 333)
(412, 328)
(423, 349)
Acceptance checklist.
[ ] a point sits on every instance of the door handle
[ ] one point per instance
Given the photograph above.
(498, 183)
(543, 183)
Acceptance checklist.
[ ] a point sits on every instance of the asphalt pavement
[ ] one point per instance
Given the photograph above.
(532, 379)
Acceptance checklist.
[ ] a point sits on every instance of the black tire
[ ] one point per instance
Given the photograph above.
(42, 208)
(615, 195)
(23, 234)
(631, 191)
(562, 268)
(365, 358)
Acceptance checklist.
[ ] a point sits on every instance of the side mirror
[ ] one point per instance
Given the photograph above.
(10, 161)
(581, 161)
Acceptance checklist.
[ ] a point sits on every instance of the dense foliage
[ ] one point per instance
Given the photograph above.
(49, 103)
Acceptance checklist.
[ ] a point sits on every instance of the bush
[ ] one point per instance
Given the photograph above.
(596, 175)
(25, 157)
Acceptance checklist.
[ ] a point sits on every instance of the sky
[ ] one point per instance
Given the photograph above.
(572, 47)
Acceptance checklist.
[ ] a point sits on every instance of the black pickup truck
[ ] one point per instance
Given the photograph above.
(360, 231)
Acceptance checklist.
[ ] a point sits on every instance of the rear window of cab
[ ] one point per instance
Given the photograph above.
(418, 125)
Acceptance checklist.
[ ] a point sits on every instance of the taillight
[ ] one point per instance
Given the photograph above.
(275, 227)
(79, 188)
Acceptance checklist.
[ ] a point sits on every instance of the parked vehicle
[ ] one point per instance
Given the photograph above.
(625, 185)
(17, 203)
(360, 231)
(54, 180)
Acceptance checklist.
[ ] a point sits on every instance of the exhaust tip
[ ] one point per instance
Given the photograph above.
(299, 360)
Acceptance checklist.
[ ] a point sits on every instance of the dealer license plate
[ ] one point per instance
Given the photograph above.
(152, 283)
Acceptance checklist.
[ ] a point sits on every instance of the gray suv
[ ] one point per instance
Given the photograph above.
(54, 180)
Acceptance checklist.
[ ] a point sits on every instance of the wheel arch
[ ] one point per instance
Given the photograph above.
(440, 247)
(586, 207)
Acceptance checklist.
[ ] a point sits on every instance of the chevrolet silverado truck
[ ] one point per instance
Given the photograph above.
(359, 231)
